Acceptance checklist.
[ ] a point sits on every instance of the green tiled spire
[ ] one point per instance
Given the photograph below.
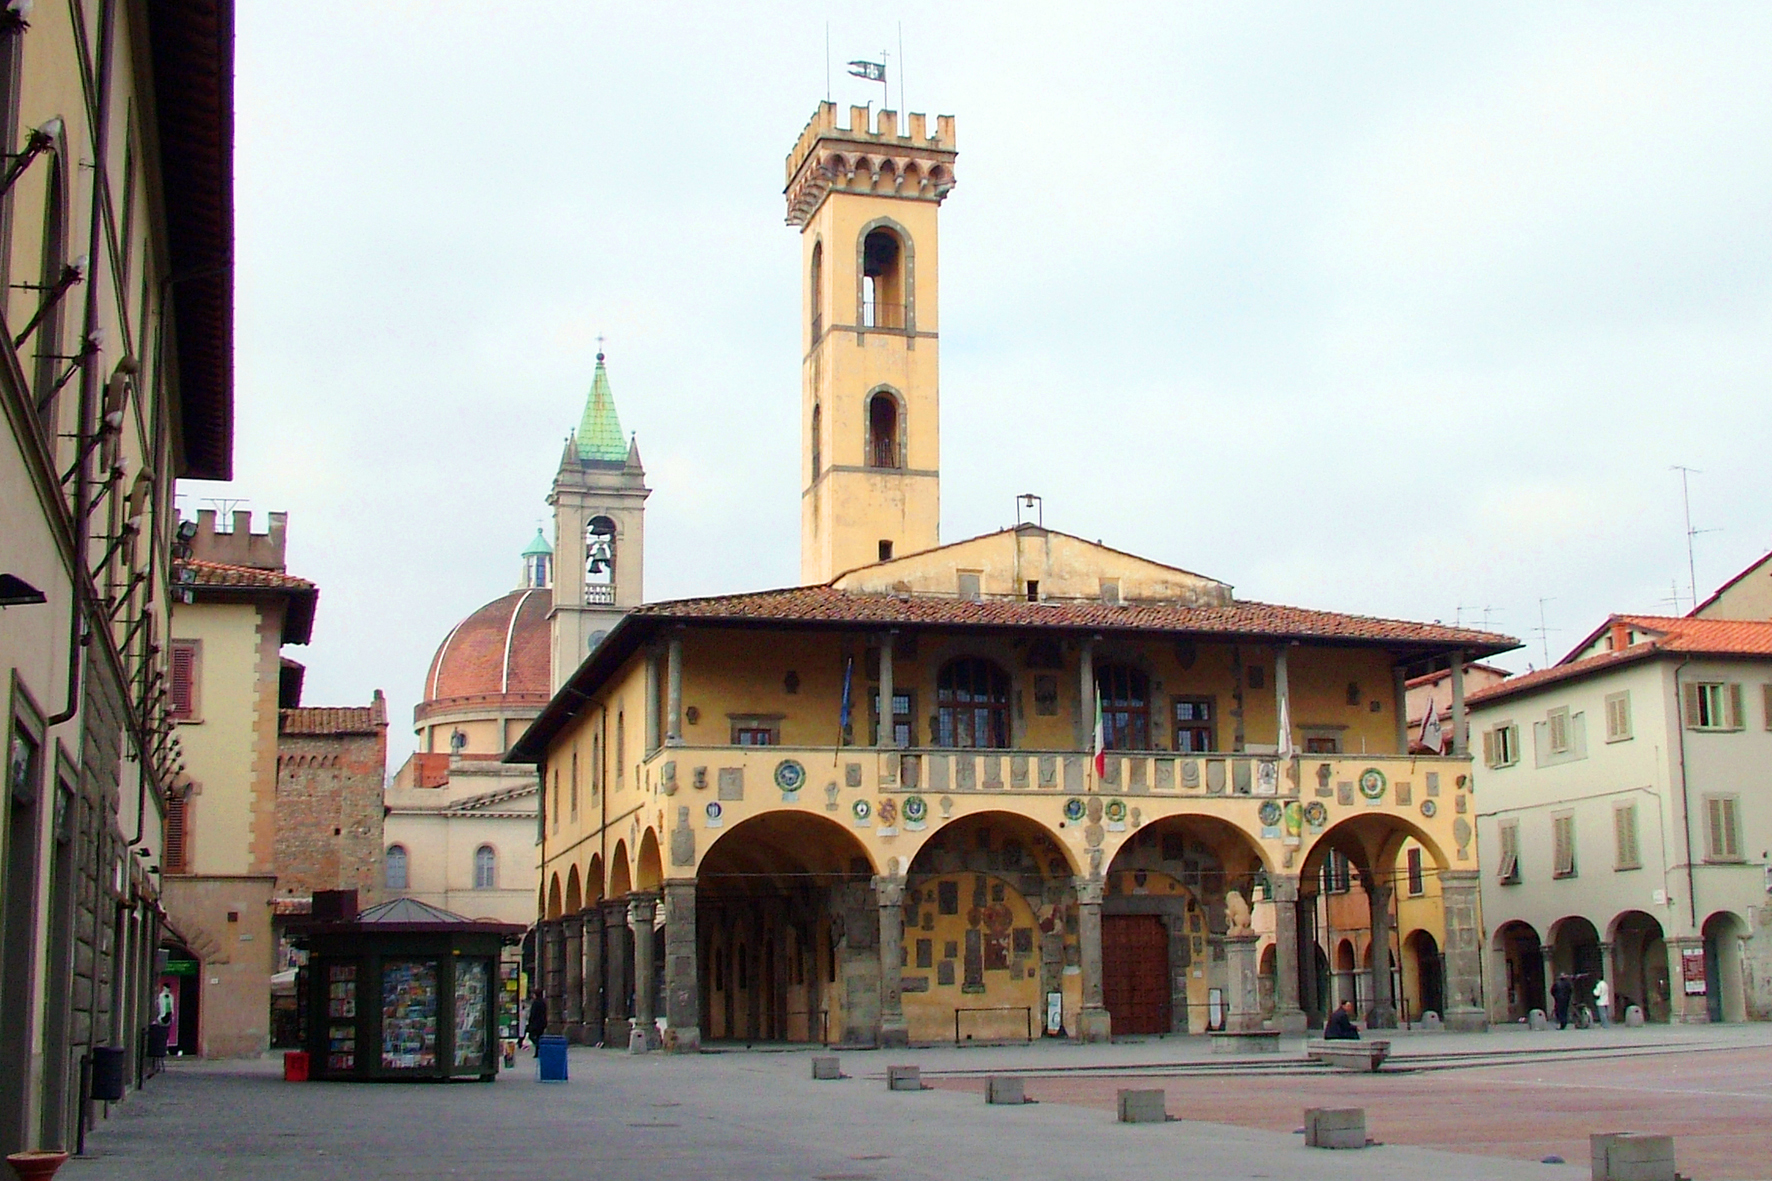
(600, 436)
(538, 546)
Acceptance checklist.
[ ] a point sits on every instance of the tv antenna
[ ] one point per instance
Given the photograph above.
(224, 508)
(1686, 473)
(1544, 630)
(1673, 599)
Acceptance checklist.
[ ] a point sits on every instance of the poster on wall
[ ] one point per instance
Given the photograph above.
(1692, 970)
(472, 1004)
(341, 1016)
(409, 1014)
(166, 1010)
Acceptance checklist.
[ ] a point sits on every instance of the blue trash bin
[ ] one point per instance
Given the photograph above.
(552, 1059)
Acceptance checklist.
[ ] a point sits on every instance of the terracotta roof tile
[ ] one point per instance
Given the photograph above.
(1668, 635)
(824, 604)
(220, 574)
(334, 719)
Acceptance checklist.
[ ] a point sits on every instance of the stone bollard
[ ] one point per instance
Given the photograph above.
(1632, 1156)
(1142, 1107)
(824, 1066)
(1633, 1016)
(1535, 1020)
(1431, 1022)
(1005, 1090)
(1335, 1127)
(904, 1078)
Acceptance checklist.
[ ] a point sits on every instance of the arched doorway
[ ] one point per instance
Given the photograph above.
(788, 933)
(1164, 918)
(1521, 958)
(1575, 952)
(1423, 985)
(989, 930)
(1347, 975)
(1723, 933)
(178, 993)
(1639, 966)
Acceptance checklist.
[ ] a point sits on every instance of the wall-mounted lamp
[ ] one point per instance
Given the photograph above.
(15, 17)
(72, 273)
(16, 592)
(42, 139)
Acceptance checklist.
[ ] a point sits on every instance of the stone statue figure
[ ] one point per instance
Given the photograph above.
(1236, 914)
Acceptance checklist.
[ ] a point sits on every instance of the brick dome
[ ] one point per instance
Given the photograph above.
(498, 652)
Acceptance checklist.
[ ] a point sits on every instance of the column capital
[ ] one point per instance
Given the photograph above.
(1283, 887)
(1089, 890)
(642, 908)
(573, 924)
(888, 890)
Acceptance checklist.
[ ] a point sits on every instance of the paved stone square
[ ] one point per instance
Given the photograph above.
(759, 1115)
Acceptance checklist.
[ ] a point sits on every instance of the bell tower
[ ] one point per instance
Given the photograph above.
(599, 500)
(865, 199)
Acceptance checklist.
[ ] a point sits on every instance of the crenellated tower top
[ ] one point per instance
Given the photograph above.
(875, 160)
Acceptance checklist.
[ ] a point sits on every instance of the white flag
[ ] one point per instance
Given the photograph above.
(1431, 736)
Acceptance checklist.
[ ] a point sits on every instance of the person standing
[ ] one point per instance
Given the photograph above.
(1561, 992)
(538, 1020)
(1603, 1002)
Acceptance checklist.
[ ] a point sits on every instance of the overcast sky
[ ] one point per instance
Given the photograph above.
(1395, 309)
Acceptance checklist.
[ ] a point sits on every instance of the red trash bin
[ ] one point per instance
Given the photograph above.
(295, 1066)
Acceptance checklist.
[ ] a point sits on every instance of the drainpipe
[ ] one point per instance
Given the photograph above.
(1685, 795)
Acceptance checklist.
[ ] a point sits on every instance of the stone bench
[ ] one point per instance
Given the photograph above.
(1632, 1156)
(1363, 1056)
(904, 1078)
(1250, 1041)
(1335, 1127)
(1143, 1106)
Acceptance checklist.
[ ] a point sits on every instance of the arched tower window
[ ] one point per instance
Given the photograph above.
(600, 562)
(973, 696)
(1125, 707)
(538, 571)
(883, 431)
(394, 868)
(817, 285)
(485, 868)
(817, 439)
(883, 293)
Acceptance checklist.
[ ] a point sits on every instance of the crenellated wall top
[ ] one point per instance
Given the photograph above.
(869, 156)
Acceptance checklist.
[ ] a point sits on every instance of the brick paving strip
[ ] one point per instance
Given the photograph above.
(1717, 1102)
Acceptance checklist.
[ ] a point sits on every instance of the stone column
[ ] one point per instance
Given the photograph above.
(1609, 973)
(1461, 739)
(1309, 1000)
(1288, 1016)
(1685, 1009)
(889, 896)
(552, 944)
(682, 970)
(674, 691)
(615, 973)
(1549, 952)
(592, 974)
(1094, 1024)
(1383, 1014)
(642, 911)
(1463, 951)
(572, 953)
(1243, 1004)
(887, 739)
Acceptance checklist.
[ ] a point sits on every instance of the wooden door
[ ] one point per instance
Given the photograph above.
(1135, 972)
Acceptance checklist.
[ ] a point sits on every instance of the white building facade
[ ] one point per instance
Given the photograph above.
(1624, 820)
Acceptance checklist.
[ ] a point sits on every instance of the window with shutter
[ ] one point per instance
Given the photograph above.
(176, 844)
(1489, 748)
(1617, 717)
(1723, 828)
(182, 675)
(1417, 880)
(1558, 727)
(1766, 703)
(1713, 705)
(1733, 716)
(1624, 828)
(1509, 872)
(1563, 846)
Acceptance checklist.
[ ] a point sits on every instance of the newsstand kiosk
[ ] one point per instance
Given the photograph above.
(403, 991)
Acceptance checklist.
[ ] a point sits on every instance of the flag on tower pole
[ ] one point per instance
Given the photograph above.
(1100, 739)
(848, 675)
(872, 71)
(1432, 737)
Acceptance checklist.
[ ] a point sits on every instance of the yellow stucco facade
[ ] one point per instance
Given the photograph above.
(1107, 790)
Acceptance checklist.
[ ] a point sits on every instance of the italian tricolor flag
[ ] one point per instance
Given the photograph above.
(1100, 740)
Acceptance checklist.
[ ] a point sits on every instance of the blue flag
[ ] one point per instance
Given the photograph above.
(848, 674)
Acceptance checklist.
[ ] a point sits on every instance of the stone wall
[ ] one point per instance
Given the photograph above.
(329, 813)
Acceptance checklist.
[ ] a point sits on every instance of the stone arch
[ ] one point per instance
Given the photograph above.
(574, 901)
(787, 932)
(554, 899)
(1424, 982)
(648, 867)
(989, 925)
(594, 880)
(885, 441)
(1374, 842)
(1725, 999)
(901, 286)
(1519, 971)
(621, 874)
(1575, 952)
(1640, 969)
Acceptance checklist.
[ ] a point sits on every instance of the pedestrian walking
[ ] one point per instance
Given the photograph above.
(538, 1020)
(1561, 992)
(1603, 1003)
(1340, 1026)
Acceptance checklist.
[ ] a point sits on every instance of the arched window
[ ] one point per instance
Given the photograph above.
(600, 562)
(395, 868)
(485, 868)
(817, 439)
(883, 448)
(817, 291)
(882, 280)
(1125, 707)
(973, 696)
